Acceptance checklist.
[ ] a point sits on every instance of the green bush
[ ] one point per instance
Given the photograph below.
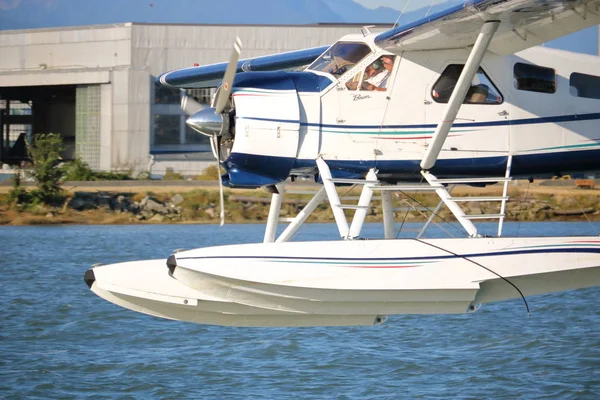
(171, 175)
(45, 155)
(210, 173)
(79, 170)
(143, 176)
(112, 176)
(18, 194)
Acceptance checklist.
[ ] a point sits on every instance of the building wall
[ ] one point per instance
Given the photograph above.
(161, 48)
(66, 48)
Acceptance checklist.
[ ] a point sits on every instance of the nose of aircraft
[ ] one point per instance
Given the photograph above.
(207, 122)
(89, 278)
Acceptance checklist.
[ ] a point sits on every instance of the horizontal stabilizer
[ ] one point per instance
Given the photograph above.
(523, 24)
(212, 75)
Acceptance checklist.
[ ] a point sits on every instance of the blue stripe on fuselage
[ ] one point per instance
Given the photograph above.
(524, 121)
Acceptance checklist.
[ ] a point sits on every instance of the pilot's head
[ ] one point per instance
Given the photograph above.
(377, 65)
(387, 62)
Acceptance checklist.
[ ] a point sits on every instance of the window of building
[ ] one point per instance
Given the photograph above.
(533, 78)
(193, 137)
(20, 108)
(583, 85)
(166, 95)
(482, 90)
(167, 129)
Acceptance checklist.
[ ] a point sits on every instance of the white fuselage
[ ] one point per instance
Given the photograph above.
(546, 133)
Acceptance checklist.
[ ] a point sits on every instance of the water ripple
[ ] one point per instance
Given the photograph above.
(59, 340)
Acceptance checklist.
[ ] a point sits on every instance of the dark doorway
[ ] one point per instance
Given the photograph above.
(29, 110)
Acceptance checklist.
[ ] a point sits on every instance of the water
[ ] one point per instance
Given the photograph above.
(59, 340)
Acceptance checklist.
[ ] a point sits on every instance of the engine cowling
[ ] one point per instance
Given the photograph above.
(259, 134)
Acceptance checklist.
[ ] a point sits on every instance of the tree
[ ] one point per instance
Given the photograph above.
(45, 155)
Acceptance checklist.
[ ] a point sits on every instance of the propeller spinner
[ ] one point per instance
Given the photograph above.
(212, 121)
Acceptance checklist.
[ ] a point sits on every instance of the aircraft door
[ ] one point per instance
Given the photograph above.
(480, 133)
(363, 101)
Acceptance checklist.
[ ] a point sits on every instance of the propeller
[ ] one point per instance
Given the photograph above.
(224, 92)
(212, 122)
(190, 105)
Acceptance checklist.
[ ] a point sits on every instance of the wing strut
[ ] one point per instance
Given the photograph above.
(459, 93)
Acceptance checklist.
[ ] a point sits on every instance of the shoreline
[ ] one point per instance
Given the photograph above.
(196, 202)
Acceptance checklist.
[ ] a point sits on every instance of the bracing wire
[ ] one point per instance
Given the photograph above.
(401, 13)
(402, 224)
(436, 224)
(432, 211)
(430, 7)
(583, 211)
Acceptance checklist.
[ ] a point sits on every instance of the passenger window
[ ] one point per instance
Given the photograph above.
(533, 78)
(377, 74)
(482, 90)
(583, 85)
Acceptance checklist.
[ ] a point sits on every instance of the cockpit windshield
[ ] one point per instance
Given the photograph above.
(340, 57)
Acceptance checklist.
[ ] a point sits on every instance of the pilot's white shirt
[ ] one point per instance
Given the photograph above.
(377, 79)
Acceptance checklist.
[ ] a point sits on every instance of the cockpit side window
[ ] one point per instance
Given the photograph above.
(340, 58)
(482, 90)
(378, 73)
(375, 76)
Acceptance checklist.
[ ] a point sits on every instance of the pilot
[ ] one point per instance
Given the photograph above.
(388, 65)
(378, 81)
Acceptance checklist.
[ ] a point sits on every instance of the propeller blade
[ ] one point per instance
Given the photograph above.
(225, 90)
(189, 105)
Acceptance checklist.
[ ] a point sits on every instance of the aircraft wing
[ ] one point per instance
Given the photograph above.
(212, 75)
(523, 24)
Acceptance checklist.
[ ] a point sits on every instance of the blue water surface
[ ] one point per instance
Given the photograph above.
(59, 340)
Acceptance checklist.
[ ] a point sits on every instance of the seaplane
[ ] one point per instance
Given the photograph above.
(463, 96)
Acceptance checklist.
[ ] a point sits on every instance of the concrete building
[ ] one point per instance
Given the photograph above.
(95, 85)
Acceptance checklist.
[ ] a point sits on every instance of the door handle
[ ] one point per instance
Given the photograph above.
(503, 113)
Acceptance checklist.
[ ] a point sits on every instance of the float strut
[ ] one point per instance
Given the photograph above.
(388, 214)
(334, 198)
(293, 227)
(504, 194)
(363, 205)
(274, 210)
